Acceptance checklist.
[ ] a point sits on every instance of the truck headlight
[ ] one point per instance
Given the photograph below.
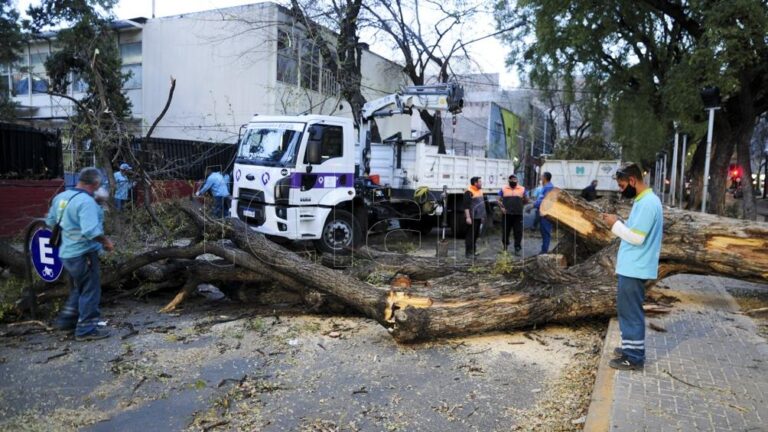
(282, 190)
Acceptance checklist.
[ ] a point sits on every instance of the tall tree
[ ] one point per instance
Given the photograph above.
(653, 56)
(11, 40)
(89, 52)
(343, 16)
(427, 44)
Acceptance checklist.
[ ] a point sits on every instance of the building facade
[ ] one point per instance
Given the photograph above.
(229, 65)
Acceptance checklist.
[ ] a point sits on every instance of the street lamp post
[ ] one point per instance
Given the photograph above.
(711, 98)
(683, 155)
(673, 176)
(664, 177)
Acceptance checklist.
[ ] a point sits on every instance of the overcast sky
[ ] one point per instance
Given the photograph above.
(489, 54)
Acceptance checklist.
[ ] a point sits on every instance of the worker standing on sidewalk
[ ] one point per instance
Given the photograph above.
(637, 262)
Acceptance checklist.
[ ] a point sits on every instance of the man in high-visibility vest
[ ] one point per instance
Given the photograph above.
(512, 199)
(474, 214)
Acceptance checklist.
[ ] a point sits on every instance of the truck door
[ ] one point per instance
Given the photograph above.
(333, 173)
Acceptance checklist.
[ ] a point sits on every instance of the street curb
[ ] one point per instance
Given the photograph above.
(599, 412)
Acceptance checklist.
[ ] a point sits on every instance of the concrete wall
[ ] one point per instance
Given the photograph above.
(222, 76)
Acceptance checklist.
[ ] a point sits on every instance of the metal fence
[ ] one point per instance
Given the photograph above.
(28, 153)
(173, 159)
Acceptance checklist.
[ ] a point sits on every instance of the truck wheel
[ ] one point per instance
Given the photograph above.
(341, 233)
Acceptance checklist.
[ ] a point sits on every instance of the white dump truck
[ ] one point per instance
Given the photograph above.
(314, 177)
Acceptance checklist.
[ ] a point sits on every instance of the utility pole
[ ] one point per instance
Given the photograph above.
(673, 176)
(682, 169)
(711, 98)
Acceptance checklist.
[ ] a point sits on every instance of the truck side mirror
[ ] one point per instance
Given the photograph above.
(314, 153)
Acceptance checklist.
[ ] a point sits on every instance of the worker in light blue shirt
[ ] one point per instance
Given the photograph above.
(637, 262)
(218, 184)
(545, 226)
(82, 238)
(123, 186)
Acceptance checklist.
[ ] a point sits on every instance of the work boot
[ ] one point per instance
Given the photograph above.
(624, 363)
(96, 334)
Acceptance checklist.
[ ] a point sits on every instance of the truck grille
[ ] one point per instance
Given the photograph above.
(250, 207)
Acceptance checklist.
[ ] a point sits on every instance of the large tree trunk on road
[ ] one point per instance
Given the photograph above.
(537, 290)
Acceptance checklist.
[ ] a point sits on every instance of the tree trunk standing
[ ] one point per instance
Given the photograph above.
(350, 56)
(744, 157)
(722, 150)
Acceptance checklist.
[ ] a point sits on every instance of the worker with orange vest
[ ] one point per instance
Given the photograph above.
(474, 213)
(511, 200)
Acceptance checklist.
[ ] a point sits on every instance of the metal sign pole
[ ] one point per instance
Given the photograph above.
(673, 176)
(707, 157)
(682, 169)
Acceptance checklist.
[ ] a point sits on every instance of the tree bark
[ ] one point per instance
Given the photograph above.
(693, 242)
(533, 291)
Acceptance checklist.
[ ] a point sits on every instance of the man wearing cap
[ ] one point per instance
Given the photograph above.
(123, 186)
(637, 262)
(512, 199)
(82, 239)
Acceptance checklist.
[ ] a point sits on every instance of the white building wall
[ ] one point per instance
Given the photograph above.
(225, 65)
(222, 76)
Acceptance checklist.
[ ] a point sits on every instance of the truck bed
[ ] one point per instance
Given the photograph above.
(420, 165)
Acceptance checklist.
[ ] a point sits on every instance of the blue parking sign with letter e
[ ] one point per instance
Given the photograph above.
(45, 257)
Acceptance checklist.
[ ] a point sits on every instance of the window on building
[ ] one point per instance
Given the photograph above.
(78, 84)
(20, 78)
(134, 80)
(287, 57)
(299, 62)
(5, 81)
(328, 83)
(37, 70)
(130, 54)
(310, 65)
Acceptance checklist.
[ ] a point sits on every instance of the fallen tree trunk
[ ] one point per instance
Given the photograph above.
(692, 243)
(459, 302)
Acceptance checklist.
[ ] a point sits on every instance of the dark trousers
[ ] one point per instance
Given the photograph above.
(220, 209)
(629, 304)
(545, 226)
(470, 239)
(515, 224)
(81, 311)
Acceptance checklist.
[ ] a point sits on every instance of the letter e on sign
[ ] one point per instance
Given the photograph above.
(45, 257)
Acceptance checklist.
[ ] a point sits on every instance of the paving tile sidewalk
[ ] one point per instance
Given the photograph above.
(707, 372)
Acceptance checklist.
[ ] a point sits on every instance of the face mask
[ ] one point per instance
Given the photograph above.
(512, 184)
(629, 192)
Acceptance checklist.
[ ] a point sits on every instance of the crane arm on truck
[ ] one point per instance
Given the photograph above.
(440, 97)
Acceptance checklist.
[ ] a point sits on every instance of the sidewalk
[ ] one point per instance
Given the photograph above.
(707, 372)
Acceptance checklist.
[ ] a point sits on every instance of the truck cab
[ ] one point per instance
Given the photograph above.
(293, 175)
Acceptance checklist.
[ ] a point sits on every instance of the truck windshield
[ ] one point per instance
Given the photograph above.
(271, 144)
